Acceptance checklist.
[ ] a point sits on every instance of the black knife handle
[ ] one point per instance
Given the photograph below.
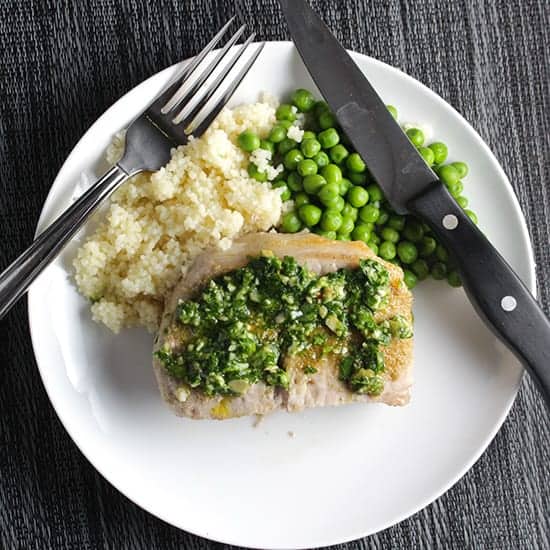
(496, 292)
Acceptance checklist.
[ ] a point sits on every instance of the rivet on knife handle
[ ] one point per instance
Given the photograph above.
(494, 289)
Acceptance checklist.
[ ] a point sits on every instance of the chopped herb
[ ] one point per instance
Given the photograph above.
(366, 381)
(241, 326)
(400, 327)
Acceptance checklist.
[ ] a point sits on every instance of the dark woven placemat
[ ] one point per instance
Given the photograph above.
(62, 63)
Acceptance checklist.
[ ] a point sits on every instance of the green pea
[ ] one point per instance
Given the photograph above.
(472, 215)
(416, 136)
(285, 193)
(389, 234)
(342, 237)
(294, 181)
(440, 152)
(308, 134)
(312, 184)
(328, 138)
(427, 246)
(303, 99)
(300, 199)
(373, 246)
(347, 225)
(285, 146)
(370, 225)
(361, 232)
(427, 155)
(357, 179)
(267, 145)
(291, 223)
(357, 196)
(307, 167)
(407, 252)
(277, 134)
(332, 173)
(321, 159)
(375, 238)
(326, 120)
(413, 231)
(344, 185)
(286, 124)
(310, 147)
(462, 201)
(310, 214)
(328, 193)
(254, 173)
(326, 234)
(375, 193)
(410, 278)
(448, 174)
(338, 203)
(355, 163)
(331, 220)
(397, 222)
(320, 107)
(292, 159)
(461, 168)
(285, 112)
(441, 253)
(350, 211)
(453, 278)
(249, 141)
(338, 153)
(438, 270)
(369, 213)
(392, 110)
(387, 250)
(456, 189)
(383, 218)
(421, 269)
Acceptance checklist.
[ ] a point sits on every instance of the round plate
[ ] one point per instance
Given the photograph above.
(303, 480)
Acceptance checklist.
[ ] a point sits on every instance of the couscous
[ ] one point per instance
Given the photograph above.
(158, 222)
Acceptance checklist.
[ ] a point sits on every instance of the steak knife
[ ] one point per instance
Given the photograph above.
(411, 187)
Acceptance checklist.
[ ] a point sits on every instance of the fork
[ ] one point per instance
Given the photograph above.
(179, 111)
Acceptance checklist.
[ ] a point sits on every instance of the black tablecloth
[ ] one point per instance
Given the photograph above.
(63, 63)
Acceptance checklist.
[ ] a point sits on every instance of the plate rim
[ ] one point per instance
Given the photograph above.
(530, 282)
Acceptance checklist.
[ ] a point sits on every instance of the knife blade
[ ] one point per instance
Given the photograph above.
(392, 159)
(496, 292)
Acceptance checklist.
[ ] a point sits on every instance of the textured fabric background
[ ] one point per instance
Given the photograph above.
(63, 63)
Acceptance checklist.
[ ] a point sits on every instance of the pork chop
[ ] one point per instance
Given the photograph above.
(322, 388)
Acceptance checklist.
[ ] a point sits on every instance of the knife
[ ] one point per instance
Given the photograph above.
(411, 187)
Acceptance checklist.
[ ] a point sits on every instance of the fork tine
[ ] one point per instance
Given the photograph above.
(186, 71)
(181, 95)
(220, 104)
(209, 91)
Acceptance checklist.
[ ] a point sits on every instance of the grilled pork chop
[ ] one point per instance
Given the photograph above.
(305, 390)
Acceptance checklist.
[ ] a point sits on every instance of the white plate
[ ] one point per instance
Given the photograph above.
(347, 472)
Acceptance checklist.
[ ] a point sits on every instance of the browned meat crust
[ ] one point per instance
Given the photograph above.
(306, 390)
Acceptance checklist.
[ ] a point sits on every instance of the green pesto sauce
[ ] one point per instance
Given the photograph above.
(241, 325)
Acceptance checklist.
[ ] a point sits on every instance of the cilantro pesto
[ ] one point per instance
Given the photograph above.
(240, 326)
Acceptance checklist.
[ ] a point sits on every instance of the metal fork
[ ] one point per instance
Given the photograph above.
(168, 121)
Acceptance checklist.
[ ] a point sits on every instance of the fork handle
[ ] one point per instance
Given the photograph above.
(16, 278)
